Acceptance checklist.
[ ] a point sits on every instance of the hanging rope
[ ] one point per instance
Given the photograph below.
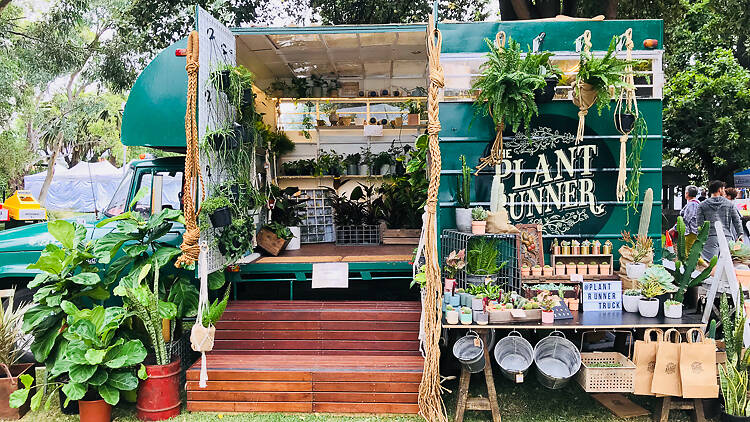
(585, 96)
(190, 248)
(431, 406)
(201, 337)
(627, 95)
(496, 152)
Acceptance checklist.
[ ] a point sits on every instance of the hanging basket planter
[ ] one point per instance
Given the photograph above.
(547, 93)
(247, 98)
(624, 122)
(222, 217)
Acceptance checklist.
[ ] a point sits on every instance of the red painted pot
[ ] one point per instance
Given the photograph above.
(159, 395)
(95, 411)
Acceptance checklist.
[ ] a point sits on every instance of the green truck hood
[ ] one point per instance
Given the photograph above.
(33, 237)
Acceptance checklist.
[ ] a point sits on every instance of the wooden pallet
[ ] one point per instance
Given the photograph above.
(306, 356)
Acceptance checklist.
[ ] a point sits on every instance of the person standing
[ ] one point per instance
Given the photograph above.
(731, 194)
(718, 208)
(689, 214)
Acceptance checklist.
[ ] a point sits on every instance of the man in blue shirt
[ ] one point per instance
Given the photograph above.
(689, 213)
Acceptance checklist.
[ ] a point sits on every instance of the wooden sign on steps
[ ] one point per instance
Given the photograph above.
(269, 242)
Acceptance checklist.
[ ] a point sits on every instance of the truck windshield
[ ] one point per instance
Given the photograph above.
(119, 201)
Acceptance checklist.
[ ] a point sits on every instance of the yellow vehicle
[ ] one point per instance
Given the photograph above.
(22, 209)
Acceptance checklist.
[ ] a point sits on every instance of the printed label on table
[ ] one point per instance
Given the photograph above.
(602, 295)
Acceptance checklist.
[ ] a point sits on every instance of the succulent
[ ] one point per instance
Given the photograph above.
(740, 251)
(652, 288)
(659, 274)
(632, 292)
(478, 214)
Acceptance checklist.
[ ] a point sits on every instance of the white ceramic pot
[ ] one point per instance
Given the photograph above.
(477, 304)
(673, 311)
(463, 220)
(385, 169)
(630, 303)
(294, 243)
(451, 317)
(635, 270)
(648, 308)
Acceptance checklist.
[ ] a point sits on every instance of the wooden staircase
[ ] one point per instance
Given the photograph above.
(309, 356)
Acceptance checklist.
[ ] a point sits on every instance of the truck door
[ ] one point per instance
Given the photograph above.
(216, 48)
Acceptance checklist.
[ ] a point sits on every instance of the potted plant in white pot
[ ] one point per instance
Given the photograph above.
(648, 305)
(547, 304)
(451, 315)
(630, 298)
(463, 198)
(672, 309)
(635, 253)
(478, 220)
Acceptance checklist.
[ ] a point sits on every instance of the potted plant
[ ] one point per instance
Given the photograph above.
(565, 245)
(672, 309)
(478, 220)
(648, 305)
(570, 268)
(466, 316)
(482, 317)
(733, 373)
(596, 247)
(382, 163)
(585, 247)
(477, 302)
(540, 63)
(630, 298)
(639, 248)
(559, 268)
(571, 302)
(13, 342)
(581, 268)
(352, 164)
(455, 300)
(547, 304)
(481, 261)
(217, 210)
(499, 313)
(465, 297)
(463, 198)
(555, 249)
(287, 208)
(593, 268)
(536, 270)
(413, 108)
(607, 248)
(525, 270)
(453, 264)
(605, 268)
(236, 82)
(451, 315)
(547, 270)
(366, 159)
(329, 164)
(575, 247)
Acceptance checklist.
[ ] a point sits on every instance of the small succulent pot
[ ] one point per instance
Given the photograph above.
(572, 303)
(605, 269)
(576, 249)
(448, 284)
(482, 318)
(634, 270)
(548, 317)
(581, 269)
(596, 247)
(570, 269)
(525, 271)
(536, 271)
(648, 308)
(477, 304)
(466, 317)
(466, 298)
(455, 300)
(451, 316)
(547, 271)
(630, 302)
(556, 250)
(585, 249)
(672, 309)
(607, 248)
(559, 268)
(565, 249)
(593, 269)
(478, 227)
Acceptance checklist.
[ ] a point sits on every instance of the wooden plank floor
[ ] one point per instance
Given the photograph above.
(310, 356)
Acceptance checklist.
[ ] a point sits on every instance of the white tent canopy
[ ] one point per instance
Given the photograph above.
(86, 187)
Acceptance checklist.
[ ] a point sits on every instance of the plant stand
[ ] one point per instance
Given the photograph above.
(668, 403)
(488, 403)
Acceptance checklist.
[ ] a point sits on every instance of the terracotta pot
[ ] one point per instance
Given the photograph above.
(536, 271)
(581, 269)
(592, 269)
(412, 119)
(566, 250)
(559, 269)
(605, 269)
(572, 304)
(585, 250)
(586, 97)
(525, 271)
(478, 227)
(556, 250)
(95, 411)
(576, 250)
(570, 269)
(159, 394)
(8, 384)
(547, 271)
(743, 277)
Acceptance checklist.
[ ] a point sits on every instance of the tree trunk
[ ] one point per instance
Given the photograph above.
(506, 10)
(50, 169)
(3, 4)
(522, 9)
(570, 8)
(611, 10)
(548, 8)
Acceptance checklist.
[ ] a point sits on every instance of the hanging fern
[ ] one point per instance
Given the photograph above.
(602, 73)
(506, 87)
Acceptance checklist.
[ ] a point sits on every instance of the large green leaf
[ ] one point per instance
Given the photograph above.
(128, 354)
(109, 393)
(36, 399)
(81, 373)
(97, 293)
(18, 398)
(76, 353)
(95, 356)
(74, 391)
(138, 196)
(47, 263)
(45, 340)
(135, 249)
(64, 232)
(69, 308)
(81, 233)
(100, 376)
(216, 280)
(40, 279)
(123, 380)
(106, 247)
(86, 279)
(83, 329)
(115, 269)
(163, 255)
(167, 310)
(185, 296)
(119, 217)
(113, 316)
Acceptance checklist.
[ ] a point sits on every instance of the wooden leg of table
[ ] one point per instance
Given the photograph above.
(463, 394)
(698, 416)
(490, 380)
(663, 414)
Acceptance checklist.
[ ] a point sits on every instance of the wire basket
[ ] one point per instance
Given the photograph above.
(358, 235)
(509, 244)
(606, 379)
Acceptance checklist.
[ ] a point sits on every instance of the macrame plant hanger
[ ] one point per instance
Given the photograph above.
(626, 104)
(496, 152)
(583, 95)
(431, 405)
(190, 248)
(201, 337)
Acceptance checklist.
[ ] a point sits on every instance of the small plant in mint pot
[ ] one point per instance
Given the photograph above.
(630, 298)
(466, 315)
(648, 305)
(479, 220)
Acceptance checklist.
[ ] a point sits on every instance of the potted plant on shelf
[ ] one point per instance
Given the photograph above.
(352, 164)
(555, 247)
(413, 107)
(593, 268)
(13, 343)
(455, 262)
(570, 268)
(382, 163)
(463, 198)
(596, 247)
(236, 82)
(536, 270)
(607, 248)
(648, 305)
(559, 268)
(575, 247)
(585, 247)
(547, 304)
(451, 315)
(672, 309)
(465, 297)
(636, 253)
(329, 164)
(573, 302)
(365, 162)
(630, 298)
(525, 270)
(287, 209)
(605, 268)
(466, 316)
(581, 268)
(478, 220)
(565, 246)
(547, 271)
(481, 261)
(216, 209)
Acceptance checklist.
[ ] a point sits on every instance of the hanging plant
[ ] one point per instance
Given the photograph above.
(236, 82)
(540, 64)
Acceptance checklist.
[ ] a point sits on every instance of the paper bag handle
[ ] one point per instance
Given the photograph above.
(700, 337)
(668, 336)
(649, 331)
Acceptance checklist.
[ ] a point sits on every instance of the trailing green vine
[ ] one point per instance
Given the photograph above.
(639, 135)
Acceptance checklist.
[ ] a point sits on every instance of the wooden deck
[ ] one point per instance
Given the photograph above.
(329, 252)
(308, 356)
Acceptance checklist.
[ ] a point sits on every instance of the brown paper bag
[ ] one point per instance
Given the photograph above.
(666, 379)
(644, 357)
(497, 222)
(626, 257)
(698, 367)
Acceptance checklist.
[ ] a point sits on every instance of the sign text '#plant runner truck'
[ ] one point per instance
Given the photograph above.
(558, 169)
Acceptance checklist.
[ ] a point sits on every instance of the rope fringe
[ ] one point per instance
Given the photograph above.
(626, 103)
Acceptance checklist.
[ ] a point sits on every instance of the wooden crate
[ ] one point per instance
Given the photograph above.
(269, 242)
(401, 236)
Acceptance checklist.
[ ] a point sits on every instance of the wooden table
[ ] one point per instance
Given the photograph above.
(489, 403)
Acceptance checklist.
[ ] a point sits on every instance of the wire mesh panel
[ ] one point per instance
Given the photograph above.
(507, 245)
(317, 222)
(358, 235)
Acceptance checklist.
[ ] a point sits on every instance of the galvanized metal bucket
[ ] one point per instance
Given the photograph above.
(468, 353)
(515, 355)
(557, 360)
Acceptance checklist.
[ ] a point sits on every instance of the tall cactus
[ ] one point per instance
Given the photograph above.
(648, 204)
(686, 261)
(463, 185)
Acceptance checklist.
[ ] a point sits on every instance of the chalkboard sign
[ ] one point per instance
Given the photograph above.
(602, 295)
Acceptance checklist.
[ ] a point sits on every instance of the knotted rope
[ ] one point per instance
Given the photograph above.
(431, 406)
(580, 99)
(631, 106)
(496, 152)
(190, 248)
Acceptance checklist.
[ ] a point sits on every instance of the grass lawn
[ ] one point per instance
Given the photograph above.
(528, 402)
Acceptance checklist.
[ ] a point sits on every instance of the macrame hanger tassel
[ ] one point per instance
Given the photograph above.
(626, 103)
(202, 305)
(582, 101)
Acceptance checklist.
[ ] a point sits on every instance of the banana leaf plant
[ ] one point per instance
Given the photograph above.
(100, 359)
(67, 274)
